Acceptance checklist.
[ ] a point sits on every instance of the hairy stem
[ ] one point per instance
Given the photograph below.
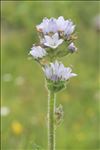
(51, 120)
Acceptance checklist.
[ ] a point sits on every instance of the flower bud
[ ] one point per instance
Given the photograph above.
(72, 48)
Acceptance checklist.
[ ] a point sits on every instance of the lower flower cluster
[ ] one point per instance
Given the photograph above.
(57, 72)
(56, 75)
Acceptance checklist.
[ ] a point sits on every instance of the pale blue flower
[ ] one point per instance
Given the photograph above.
(38, 52)
(57, 72)
(52, 41)
(72, 47)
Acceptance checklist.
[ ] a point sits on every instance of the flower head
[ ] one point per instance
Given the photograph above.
(55, 25)
(43, 27)
(52, 41)
(38, 52)
(72, 47)
(61, 23)
(57, 72)
(69, 29)
(52, 25)
(48, 25)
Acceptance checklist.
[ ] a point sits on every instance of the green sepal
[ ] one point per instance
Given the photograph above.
(56, 86)
(63, 53)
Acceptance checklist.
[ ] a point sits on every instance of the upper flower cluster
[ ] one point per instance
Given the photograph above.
(56, 25)
(54, 33)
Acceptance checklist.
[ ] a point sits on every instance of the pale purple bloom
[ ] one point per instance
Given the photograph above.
(52, 41)
(72, 47)
(57, 72)
(61, 23)
(48, 25)
(38, 52)
(54, 25)
(43, 27)
(69, 28)
(65, 25)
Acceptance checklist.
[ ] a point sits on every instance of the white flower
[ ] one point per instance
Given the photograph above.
(52, 41)
(57, 72)
(38, 52)
(69, 28)
(72, 47)
(4, 111)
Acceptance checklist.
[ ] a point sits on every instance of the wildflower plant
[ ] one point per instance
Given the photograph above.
(56, 41)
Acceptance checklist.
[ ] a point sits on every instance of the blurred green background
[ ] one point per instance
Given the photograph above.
(24, 97)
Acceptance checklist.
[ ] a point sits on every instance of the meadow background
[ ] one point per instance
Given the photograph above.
(24, 97)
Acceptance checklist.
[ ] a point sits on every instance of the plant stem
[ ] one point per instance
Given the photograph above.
(51, 120)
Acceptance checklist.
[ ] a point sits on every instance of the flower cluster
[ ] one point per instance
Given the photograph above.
(56, 25)
(56, 71)
(53, 33)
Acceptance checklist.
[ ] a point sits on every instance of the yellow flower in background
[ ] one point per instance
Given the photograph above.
(16, 127)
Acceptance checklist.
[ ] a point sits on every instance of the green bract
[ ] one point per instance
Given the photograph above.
(56, 86)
